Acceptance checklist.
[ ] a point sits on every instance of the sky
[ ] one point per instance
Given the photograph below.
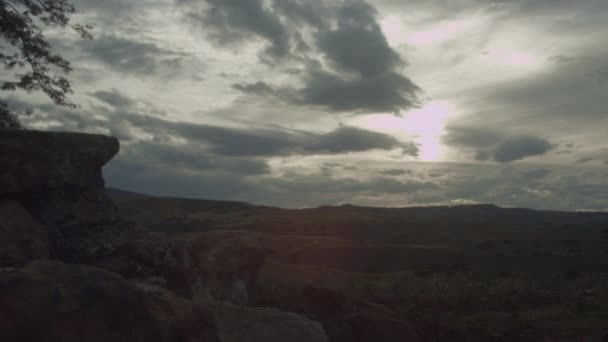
(301, 103)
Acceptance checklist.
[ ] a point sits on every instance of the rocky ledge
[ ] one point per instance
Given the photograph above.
(57, 176)
(72, 270)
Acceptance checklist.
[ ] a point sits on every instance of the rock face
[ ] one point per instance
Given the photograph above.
(228, 264)
(128, 250)
(237, 324)
(21, 239)
(51, 301)
(349, 319)
(212, 320)
(57, 176)
(72, 270)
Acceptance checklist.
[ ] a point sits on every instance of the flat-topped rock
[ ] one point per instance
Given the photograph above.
(57, 176)
(35, 160)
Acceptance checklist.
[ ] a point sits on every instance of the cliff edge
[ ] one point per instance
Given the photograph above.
(72, 270)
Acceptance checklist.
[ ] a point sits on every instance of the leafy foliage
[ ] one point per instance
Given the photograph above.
(25, 51)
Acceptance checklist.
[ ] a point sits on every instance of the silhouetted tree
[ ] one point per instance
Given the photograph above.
(25, 51)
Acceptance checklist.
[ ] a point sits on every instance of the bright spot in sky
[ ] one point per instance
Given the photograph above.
(513, 58)
(426, 125)
(440, 33)
(393, 30)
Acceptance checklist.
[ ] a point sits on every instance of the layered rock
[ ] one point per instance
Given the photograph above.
(136, 285)
(211, 320)
(237, 323)
(52, 301)
(56, 179)
(21, 238)
(57, 176)
(350, 319)
(224, 265)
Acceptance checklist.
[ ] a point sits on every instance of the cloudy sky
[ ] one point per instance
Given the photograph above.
(300, 103)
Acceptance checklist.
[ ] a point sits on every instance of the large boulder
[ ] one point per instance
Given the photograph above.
(21, 238)
(221, 264)
(351, 319)
(126, 249)
(219, 321)
(52, 301)
(57, 176)
(180, 319)
(240, 324)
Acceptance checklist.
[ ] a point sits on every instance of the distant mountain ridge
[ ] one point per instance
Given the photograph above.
(124, 195)
(459, 209)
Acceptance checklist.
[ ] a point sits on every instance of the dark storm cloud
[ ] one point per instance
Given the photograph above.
(190, 157)
(309, 12)
(365, 73)
(258, 142)
(108, 8)
(395, 172)
(109, 15)
(517, 148)
(114, 98)
(536, 174)
(584, 160)
(472, 136)
(270, 142)
(348, 64)
(133, 57)
(350, 139)
(233, 21)
(267, 142)
(388, 92)
(259, 88)
(489, 144)
(572, 89)
(170, 181)
(357, 44)
(124, 118)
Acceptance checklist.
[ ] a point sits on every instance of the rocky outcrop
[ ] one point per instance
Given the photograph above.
(212, 320)
(72, 270)
(237, 323)
(57, 176)
(129, 250)
(349, 319)
(21, 238)
(225, 265)
(52, 301)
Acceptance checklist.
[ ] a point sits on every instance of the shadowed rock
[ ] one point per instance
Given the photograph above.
(57, 176)
(237, 324)
(211, 320)
(51, 301)
(347, 318)
(21, 239)
(53, 205)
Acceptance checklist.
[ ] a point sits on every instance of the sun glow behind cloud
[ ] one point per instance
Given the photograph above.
(425, 125)
(397, 33)
(441, 32)
(513, 58)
